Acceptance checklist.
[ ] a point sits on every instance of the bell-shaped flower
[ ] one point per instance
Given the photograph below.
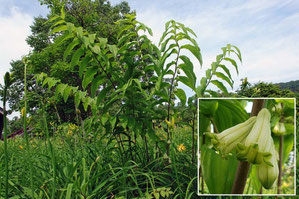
(227, 140)
(256, 148)
(268, 174)
(279, 129)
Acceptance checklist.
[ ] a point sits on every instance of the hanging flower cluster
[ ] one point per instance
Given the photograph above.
(253, 143)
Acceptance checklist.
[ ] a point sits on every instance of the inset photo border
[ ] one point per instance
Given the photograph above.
(246, 146)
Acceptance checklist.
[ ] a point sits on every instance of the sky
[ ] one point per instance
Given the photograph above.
(266, 32)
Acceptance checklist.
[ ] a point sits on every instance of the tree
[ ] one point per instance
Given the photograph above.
(263, 89)
(97, 16)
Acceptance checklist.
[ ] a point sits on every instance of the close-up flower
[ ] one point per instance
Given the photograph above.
(256, 148)
(227, 140)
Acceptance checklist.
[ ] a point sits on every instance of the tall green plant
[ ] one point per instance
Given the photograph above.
(24, 115)
(7, 83)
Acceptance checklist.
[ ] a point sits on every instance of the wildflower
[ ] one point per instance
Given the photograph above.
(256, 148)
(181, 147)
(227, 140)
(21, 147)
(171, 123)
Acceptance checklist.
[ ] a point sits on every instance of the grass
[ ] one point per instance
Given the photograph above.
(101, 172)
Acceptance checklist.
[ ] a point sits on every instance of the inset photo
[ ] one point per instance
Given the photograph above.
(246, 146)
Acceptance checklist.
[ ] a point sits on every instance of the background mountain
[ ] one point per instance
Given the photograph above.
(292, 85)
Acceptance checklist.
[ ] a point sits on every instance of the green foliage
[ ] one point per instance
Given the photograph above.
(262, 89)
(118, 90)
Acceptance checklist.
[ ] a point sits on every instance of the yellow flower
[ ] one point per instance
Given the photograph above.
(181, 147)
(21, 147)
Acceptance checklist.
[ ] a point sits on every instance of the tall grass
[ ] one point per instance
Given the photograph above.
(100, 173)
(7, 83)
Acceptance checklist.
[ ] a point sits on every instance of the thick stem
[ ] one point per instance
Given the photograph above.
(280, 158)
(243, 167)
(280, 164)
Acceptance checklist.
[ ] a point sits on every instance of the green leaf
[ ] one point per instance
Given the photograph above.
(219, 173)
(70, 47)
(96, 83)
(76, 57)
(83, 65)
(239, 52)
(186, 81)
(59, 90)
(233, 62)
(222, 76)
(103, 94)
(220, 86)
(88, 77)
(66, 93)
(62, 38)
(52, 82)
(188, 69)
(195, 51)
(113, 49)
(225, 70)
(58, 29)
(180, 93)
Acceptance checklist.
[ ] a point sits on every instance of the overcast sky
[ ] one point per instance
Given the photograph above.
(267, 32)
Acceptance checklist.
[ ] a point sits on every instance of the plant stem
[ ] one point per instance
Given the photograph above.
(280, 164)
(280, 157)
(5, 142)
(243, 167)
(193, 137)
(25, 129)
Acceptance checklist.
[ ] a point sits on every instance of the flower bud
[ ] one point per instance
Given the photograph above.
(256, 148)
(279, 129)
(227, 140)
(268, 174)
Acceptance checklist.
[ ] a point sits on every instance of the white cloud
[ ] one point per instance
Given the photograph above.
(14, 30)
(265, 31)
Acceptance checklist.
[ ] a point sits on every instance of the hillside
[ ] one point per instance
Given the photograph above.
(292, 85)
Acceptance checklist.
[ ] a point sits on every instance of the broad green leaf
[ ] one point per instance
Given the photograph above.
(83, 65)
(88, 77)
(180, 93)
(66, 93)
(70, 47)
(208, 107)
(59, 90)
(226, 70)
(62, 38)
(113, 49)
(188, 69)
(52, 82)
(195, 51)
(58, 29)
(218, 173)
(96, 83)
(76, 57)
(225, 78)
(220, 86)
(233, 62)
(103, 94)
(186, 81)
(239, 52)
